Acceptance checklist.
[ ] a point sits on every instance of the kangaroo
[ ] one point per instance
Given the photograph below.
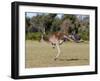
(56, 39)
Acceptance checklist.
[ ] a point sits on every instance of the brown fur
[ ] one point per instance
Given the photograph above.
(55, 35)
(58, 35)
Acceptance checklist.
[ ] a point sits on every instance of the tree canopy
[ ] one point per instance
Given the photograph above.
(46, 23)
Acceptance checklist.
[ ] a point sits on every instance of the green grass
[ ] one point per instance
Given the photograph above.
(42, 54)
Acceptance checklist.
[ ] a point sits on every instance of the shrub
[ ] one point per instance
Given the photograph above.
(33, 36)
(84, 35)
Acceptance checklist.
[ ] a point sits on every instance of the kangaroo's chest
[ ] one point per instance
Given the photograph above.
(53, 39)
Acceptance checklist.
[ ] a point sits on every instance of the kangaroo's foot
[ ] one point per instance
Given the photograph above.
(53, 47)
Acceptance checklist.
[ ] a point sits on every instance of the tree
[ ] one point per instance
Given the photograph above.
(55, 27)
(45, 23)
(68, 23)
(27, 24)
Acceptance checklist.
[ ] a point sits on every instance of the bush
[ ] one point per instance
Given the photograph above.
(84, 35)
(33, 36)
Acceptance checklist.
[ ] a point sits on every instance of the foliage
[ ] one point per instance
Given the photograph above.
(33, 36)
(46, 23)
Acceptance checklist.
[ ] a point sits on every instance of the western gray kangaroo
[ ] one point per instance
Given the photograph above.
(56, 39)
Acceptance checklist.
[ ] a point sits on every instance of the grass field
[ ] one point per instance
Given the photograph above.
(42, 54)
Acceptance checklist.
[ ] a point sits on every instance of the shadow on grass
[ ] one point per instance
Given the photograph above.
(71, 59)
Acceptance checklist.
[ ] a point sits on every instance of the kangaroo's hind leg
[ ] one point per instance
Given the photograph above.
(58, 51)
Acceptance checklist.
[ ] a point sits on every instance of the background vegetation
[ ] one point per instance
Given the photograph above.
(46, 23)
